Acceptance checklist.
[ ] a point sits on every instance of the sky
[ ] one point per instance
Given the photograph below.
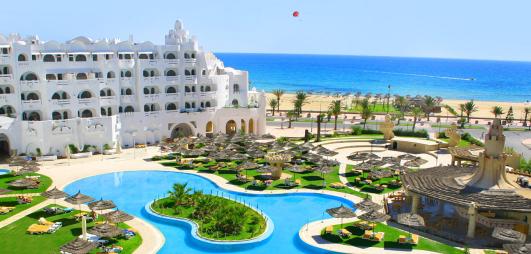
(469, 29)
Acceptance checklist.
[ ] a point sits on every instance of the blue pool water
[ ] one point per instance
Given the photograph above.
(4, 171)
(474, 79)
(131, 191)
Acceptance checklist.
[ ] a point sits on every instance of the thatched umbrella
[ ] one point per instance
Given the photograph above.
(374, 216)
(4, 191)
(407, 157)
(105, 230)
(27, 169)
(268, 136)
(508, 235)
(296, 169)
(54, 194)
(410, 219)
(117, 216)
(515, 248)
(324, 170)
(390, 160)
(25, 183)
(79, 246)
(415, 163)
(341, 212)
(79, 199)
(102, 205)
(368, 205)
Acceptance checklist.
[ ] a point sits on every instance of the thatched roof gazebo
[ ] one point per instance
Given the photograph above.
(368, 205)
(78, 246)
(102, 205)
(105, 230)
(24, 183)
(117, 216)
(54, 194)
(79, 198)
(410, 219)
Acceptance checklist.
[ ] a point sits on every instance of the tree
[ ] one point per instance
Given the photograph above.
(278, 93)
(180, 193)
(366, 111)
(461, 118)
(510, 115)
(273, 103)
(429, 105)
(402, 104)
(497, 111)
(526, 113)
(417, 113)
(470, 107)
(291, 115)
(319, 121)
(357, 96)
(300, 100)
(335, 110)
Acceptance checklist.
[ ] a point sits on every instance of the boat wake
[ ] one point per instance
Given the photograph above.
(422, 75)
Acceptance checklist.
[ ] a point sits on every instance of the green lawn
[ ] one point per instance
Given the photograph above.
(462, 142)
(43, 186)
(390, 240)
(253, 224)
(350, 136)
(369, 188)
(309, 180)
(12, 201)
(378, 108)
(467, 126)
(16, 240)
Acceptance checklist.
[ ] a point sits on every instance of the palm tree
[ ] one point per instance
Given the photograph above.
(335, 110)
(402, 104)
(429, 104)
(300, 100)
(470, 108)
(497, 111)
(278, 93)
(366, 111)
(526, 112)
(462, 110)
(291, 115)
(319, 121)
(357, 96)
(273, 103)
(180, 193)
(417, 113)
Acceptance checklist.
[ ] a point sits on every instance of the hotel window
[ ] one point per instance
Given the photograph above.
(5, 51)
(58, 58)
(34, 57)
(108, 56)
(59, 76)
(95, 58)
(71, 58)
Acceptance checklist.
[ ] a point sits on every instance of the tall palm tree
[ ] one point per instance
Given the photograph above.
(180, 193)
(335, 110)
(429, 104)
(357, 96)
(291, 115)
(273, 103)
(526, 112)
(417, 113)
(402, 104)
(470, 107)
(461, 118)
(319, 121)
(497, 111)
(366, 111)
(300, 100)
(278, 93)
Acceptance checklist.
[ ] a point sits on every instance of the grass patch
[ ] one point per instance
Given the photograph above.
(467, 126)
(16, 240)
(252, 223)
(43, 186)
(390, 240)
(376, 108)
(12, 201)
(462, 142)
(370, 188)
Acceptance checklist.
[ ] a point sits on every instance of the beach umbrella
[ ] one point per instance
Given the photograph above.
(515, 248)
(105, 230)
(406, 157)
(417, 162)
(390, 160)
(265, 169)
(374, 216)
(78, 199)
(54, 194)
(101, 205)
(4, 191)
(296, 169)
(410, 219)
(295, 14)
(268, 136)
(117, 216)
(79, 246)
(27, 169)
(25, 183)
(324, 170)
(368, 205)
(508, 235)
(341, 212)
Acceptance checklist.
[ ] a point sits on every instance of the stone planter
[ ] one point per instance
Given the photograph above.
(109, 152)
(81, 155)
(47, 158)
(513, 161)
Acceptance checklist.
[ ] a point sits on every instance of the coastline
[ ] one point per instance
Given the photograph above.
(316, 102)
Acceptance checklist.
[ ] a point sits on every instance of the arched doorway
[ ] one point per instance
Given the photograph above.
(209, 127)
(230, 128)
(181, 130)
(243, 127)
(5, 149)
(251, 126)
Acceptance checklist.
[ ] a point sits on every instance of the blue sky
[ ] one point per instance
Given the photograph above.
(477, 29)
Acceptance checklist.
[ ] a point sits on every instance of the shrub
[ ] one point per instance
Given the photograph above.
(282, 140)
(73, 148)
(525, 165)
(357, 130)
(441, 135)
(156, 158)
(466, 136)
(408, 133)
(106, 147)
(38, 151)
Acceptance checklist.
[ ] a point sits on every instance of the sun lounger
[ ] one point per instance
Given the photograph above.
(344, 233)
(329, 229)
(6, 209)
(38, 229)
(413, 239)
(298, 182)
(43, 221)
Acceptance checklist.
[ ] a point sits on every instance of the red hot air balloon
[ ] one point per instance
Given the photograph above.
(295, 14)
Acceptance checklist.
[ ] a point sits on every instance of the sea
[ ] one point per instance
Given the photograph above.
(448, 78)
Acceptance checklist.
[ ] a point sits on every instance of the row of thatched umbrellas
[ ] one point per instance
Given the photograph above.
(23, 166)
(82, 245)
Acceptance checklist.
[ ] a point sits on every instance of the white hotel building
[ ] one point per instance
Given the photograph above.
(111, 92)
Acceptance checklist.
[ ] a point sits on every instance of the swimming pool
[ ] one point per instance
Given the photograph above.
(4, 171)
(131, 191)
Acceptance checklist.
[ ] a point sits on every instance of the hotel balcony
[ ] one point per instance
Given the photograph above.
(88, 102)
(190, 61)
(172, 97)
(171, 61)
(31, 105)
(192, 79)
(111, 81)
(127, 81)
(6, 78)
(127, 99)
(152, 98)
(108, 101)
(9, 99)
(172, 79)
(151, 80)
(29, 85)
(5, 59)
(64, 102)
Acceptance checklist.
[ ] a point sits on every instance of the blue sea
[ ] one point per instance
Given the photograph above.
(448, 78)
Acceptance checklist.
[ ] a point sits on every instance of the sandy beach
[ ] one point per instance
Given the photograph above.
(321, 102)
